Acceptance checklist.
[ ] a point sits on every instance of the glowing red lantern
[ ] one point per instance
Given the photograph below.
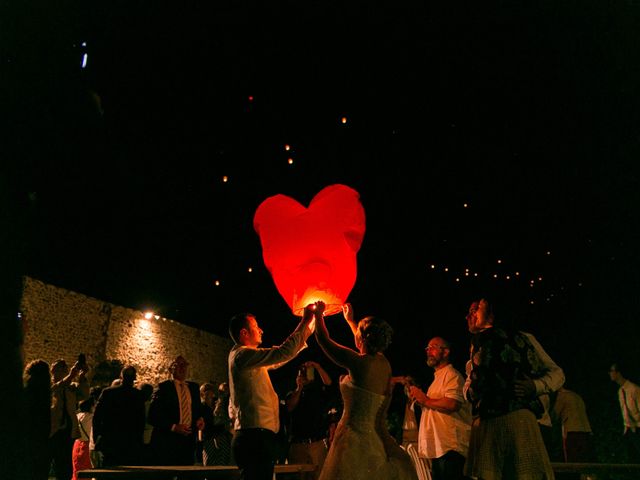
(311, 252)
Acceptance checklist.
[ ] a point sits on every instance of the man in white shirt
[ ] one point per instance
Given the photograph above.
(577, 438)
(445, 423)
(629, 398)
(253, 402)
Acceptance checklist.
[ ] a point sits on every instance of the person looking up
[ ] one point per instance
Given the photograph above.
(253, 401)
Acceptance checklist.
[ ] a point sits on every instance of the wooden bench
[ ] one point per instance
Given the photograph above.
(218, 472)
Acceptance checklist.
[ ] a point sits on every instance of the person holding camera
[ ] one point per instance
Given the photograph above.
(308, 406)
(68, 387)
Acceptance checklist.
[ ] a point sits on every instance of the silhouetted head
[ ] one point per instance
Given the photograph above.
(208, 393)
(59, 369)
(128, 375)
(36, 373)
(147, 391)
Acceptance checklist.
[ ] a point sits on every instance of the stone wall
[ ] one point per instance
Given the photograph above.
(60, 323)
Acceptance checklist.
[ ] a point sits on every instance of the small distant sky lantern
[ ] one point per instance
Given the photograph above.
(311, 251)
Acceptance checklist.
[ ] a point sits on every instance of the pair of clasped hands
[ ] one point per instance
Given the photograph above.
(319, 308)
(185, 430)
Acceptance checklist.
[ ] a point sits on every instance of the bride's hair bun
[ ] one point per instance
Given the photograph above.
(376, 334)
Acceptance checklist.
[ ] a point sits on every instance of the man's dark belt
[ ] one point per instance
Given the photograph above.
(307, 439)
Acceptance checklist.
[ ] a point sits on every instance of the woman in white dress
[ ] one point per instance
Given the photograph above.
(362, 448)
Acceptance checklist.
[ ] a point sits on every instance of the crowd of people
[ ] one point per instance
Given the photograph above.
(490, 423)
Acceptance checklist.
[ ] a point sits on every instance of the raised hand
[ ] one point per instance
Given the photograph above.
(309, 312)
(347, 311)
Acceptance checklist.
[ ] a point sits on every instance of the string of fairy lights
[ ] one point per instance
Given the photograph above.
(503, 273)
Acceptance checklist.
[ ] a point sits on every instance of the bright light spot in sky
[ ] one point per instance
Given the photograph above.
(217, 283)
(290, 161)
(84, 60)
(499, 261)
(446, 269)
(433, 266)
(465, 205)
(225, 179)
(251, 98)
(287, 147)
(250, 269)
(344, 120)
(148, 315)
(84, 44)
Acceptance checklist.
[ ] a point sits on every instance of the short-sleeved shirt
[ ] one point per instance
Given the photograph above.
(442, 432)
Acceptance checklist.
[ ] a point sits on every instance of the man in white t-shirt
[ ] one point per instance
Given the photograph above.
(445, 423)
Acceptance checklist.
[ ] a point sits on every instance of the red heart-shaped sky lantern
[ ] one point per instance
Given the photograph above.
(311, 252)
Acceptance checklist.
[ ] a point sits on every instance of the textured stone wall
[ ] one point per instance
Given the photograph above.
(59, 323)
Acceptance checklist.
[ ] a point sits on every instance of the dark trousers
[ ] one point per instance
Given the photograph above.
(578, 447)
(60, 453)
(448, 467)
(254, 450)
(632, 440)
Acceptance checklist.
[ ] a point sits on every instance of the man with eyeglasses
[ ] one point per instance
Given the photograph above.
(445, 423)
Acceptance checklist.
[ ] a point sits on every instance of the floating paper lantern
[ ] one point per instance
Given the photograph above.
(311, 252)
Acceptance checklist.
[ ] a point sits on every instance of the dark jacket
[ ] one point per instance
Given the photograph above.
(118, 425)
(168, 447)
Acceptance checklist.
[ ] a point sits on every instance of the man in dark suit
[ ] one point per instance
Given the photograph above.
(176, 415)
(118, 421)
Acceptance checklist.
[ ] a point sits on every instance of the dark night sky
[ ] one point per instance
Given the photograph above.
(527, 113)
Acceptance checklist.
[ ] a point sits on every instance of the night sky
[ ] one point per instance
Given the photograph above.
(498, 137)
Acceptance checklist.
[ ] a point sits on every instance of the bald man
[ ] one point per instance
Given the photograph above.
(445, 423)
(176, 415)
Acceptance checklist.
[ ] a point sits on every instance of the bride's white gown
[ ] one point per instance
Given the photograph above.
(362, 448)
